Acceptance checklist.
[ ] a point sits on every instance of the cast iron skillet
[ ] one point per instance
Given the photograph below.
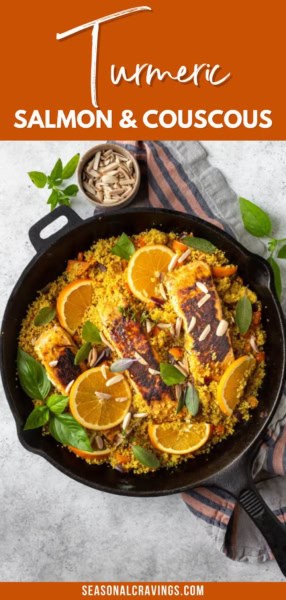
(229, 464)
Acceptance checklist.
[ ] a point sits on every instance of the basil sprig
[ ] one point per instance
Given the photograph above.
(243, 314)
(32, 376)
(189, 398)
(199, 244)
(54, 182)
(91, 336)
(124, 247)
(45, 316)
(192, 400)
(145, 457)
(258, 223)
(170, 375)
(62, 426)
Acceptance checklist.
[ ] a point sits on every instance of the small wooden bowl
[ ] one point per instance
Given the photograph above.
(92, 199)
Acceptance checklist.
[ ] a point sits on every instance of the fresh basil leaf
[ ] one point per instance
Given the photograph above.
(56, 173)
(282, 252)
(277, 276)
(255, 220)
(70, 167)
(192, 400)
(82, 353)
(39, 179)
(181, 403)
(53, 199)
(122, 365)
(243, 314)
(37, 418)
(32, 376)
(71, 190)
(170, 375)
(124, 247)
(91, 333)
(146, 457)
(44, 316)
(199, 244)
(66, 430)
(57, 403)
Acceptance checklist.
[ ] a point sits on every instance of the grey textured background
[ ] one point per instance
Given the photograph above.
(52, 528)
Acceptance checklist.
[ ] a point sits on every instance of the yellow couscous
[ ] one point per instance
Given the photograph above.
(183, 349)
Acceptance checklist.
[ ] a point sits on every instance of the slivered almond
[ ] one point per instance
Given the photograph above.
(99, 442)
(114, 380)
(53, 363)
(164, 325)
(253, 344)
(121, 399)
(205, 333)
(103, 395)
(184, 256)
(149, 325)
(178, 326)
(181, 369)
(178, 391)
(105, 341)
(154, 371)
(191, 324)
(104, 368)
(140, 358)
(126, 421)
(203, 300)
(222, 328)
(69, 386)
(173, 262)
(202, 287)
(140, 415)
(162, 291)
(185, 365)
(92, 357)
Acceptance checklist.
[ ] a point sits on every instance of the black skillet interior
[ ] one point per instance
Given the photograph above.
(51, 261)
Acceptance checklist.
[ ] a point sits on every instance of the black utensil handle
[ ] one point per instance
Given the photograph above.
(40, 243)
(272, 530)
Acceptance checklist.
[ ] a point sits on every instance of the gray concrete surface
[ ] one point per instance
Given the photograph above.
(52, 528)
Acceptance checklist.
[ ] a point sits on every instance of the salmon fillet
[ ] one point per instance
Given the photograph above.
(127, 338)
(204, 306)
(56, 351)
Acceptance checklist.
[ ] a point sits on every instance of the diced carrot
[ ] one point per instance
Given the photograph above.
(176, 352)
(80, 266)
(80, 256)
(256, 317)
(140, 242)
(156, 330)
(124, 263)
(224, 271)
(247, 347)
(252, 401)
(219, 429)
(179, 246)
(260, 356)
(122, 459)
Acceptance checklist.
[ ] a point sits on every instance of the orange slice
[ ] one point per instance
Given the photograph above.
(144, 271)
(232, 384)
(94, 404)
(168, 437)
(224, 271)
(96, 455)
(72, 302)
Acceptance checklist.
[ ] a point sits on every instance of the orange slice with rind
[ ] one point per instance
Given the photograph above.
(95, 404)
(96, 455)
(178, 438)
(73, 300)
(145, 268)
(232, 384)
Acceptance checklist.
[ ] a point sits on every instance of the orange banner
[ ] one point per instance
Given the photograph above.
(156, 590)
(181, 70)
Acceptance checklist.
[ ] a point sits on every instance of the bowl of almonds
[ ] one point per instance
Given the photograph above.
(109, 176)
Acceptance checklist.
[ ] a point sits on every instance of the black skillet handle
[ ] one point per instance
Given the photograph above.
(272, 530)
(41, 243)
(237, 479)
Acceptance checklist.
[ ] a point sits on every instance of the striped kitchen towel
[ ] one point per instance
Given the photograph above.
(179, 176)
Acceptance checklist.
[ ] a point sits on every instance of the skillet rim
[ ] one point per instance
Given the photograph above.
(60, 236)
